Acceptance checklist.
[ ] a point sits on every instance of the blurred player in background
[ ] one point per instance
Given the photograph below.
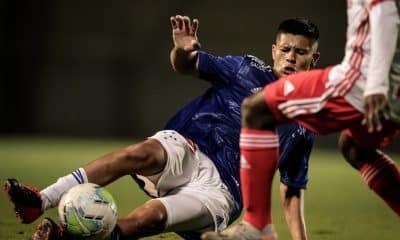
(350, 96)
(191, 169)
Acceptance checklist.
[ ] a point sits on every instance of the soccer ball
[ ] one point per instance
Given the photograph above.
(88, 210)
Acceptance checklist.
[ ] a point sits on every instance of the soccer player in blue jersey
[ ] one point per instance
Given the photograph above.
(191, 168)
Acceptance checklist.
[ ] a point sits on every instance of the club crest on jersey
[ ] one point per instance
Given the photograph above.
(258, 63)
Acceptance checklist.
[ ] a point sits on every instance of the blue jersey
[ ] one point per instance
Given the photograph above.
(213, 121)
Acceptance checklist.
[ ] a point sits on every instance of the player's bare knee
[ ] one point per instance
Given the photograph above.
(149, 219)
(292, 192)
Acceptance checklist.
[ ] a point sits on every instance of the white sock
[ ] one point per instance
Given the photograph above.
(52, 194)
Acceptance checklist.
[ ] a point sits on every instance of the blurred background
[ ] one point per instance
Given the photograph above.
(100, 69)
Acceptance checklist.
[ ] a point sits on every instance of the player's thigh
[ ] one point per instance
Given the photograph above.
(204, 203)
(304, 98)
(182, 162)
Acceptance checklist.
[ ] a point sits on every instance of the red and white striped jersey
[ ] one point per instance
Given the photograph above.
(372, 27)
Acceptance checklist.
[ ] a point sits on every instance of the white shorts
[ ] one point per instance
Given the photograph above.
(190, 187)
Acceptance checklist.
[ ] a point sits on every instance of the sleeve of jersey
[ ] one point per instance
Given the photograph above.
(384, 22)
(218, 70)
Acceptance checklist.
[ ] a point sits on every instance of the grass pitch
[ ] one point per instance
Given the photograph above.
(337, 203)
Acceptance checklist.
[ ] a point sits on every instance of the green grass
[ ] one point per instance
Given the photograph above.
(338, 205)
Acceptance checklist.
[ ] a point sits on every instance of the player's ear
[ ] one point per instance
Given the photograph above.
(273, 51)
(315, 59)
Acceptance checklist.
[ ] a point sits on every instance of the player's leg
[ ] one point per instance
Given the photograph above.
(189, 187)
(177, 209)
(293, 209)
(259, 145)
(176, 213)
(293, 169)
(146, 158)
(259, 156)
(284, 99)
(145, 220)
(378, 171)
(173, 214)
(202, 203)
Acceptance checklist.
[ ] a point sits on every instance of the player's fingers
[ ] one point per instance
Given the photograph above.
(195, 26)
(367, 114)
(186, 24)
(173, 22)
(370, 124)
(384, 110)
(179, 21)
(385, 114)
(364, 122)
(369, 119)
(376, 123)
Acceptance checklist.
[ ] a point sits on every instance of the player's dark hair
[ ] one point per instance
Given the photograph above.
(299, 26)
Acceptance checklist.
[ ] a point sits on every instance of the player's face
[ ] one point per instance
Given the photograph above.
(293, 53)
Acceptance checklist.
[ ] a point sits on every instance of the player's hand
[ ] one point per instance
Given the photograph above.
(375, 107)
(184, 33)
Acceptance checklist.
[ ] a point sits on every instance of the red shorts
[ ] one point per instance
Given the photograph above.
(303, 97)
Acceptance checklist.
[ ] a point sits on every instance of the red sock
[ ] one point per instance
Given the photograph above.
(383, 177)
(259, 157)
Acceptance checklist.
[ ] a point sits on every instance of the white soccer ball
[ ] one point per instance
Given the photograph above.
(88, 210)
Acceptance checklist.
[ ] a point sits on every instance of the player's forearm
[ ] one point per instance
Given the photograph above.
(184, 62)
(293, 208)
(384, 27)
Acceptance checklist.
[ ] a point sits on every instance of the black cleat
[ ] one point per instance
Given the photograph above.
(26, 200)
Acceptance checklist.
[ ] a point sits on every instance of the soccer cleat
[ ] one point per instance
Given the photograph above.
(242, 231)
(49, 230)
(26, 200)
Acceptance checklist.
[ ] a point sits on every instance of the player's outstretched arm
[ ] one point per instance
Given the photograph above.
(184, 54)
(384, 21)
